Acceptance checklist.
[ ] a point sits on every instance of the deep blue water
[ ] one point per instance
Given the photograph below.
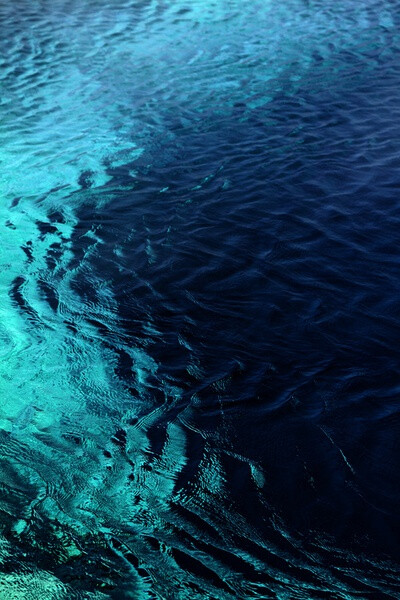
(200, 299)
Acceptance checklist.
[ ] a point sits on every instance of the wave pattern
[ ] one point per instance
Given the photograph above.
(199, 277)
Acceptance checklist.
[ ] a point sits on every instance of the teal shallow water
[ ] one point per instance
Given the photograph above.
(198, 299)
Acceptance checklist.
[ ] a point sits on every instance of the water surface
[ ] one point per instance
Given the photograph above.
(199, 285)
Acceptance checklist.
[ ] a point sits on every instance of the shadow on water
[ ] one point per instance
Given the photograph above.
(260, 278)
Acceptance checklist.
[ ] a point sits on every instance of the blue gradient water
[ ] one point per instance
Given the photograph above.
(199, 299)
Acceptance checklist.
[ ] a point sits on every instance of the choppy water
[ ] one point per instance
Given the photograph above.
(199, 299)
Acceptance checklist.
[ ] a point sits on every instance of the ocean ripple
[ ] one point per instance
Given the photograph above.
(199, 283)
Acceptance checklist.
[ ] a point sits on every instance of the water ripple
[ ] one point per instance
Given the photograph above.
(199, 283)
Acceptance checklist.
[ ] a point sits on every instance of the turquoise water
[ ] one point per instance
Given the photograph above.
(198, 285)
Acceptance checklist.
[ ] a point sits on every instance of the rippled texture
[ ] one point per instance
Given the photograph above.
(199, 279)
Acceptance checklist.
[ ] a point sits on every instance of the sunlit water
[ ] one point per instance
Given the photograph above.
(199, 299)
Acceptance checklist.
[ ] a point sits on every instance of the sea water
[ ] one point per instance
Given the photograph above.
(199, 299)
